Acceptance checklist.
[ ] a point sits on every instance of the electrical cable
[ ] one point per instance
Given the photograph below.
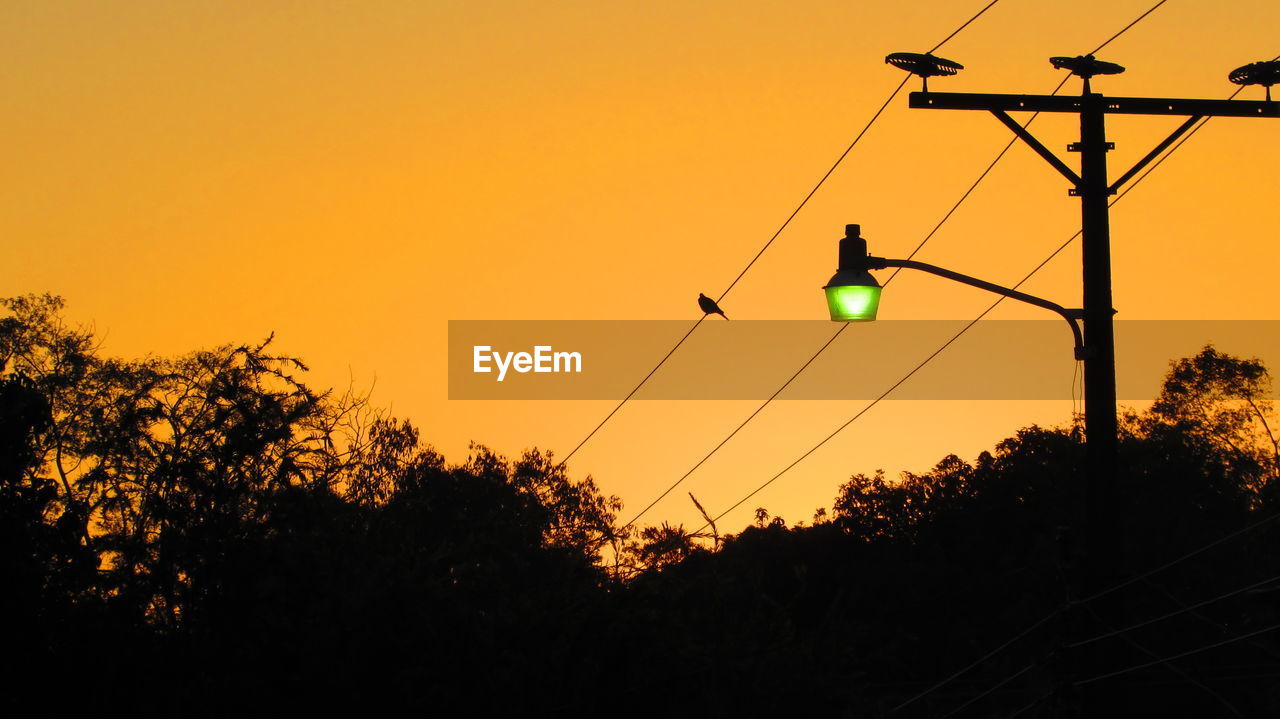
(1168, 664)
(748, 266)
(1027, 707)
(632, 393)
(1125, 29)
(1215, 624)
(735, 431)
(947, 39)
(988, 692)
(973, 322)
(1170, 615)
(1190, 652)
(892, 387)
(911, 255)
(1156, 570)
(784, 225)
(816, 187)
(943, 682)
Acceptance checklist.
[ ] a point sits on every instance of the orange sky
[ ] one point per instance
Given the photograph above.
(352, 175)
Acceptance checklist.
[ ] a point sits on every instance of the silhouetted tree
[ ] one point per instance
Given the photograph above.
(208, 531)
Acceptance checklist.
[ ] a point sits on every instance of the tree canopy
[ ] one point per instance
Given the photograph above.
(210, 532)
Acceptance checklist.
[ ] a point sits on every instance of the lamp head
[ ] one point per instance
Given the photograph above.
(853, 295)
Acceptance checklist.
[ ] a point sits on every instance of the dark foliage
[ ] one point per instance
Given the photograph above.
(207, 535)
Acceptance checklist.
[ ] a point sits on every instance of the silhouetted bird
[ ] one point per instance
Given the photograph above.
(709, 306)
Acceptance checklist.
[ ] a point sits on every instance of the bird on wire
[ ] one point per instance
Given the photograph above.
(709, 306)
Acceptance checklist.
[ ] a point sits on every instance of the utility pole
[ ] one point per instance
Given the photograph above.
(1091, 185)
(1094, 189)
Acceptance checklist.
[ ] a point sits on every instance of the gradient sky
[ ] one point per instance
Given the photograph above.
(351, 175)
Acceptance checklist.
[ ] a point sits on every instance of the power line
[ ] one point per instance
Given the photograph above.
(1053, 254)
(1158, 660)
(947, 39)
(1168, 664)
(771, 239)
(930, 358)
(1125, 29)
(749, 264)
(737, 429)
(999, 156)
(1028, 706)
(938, 685)
(990, 691)
(823, 348)
(900, 381)
(1170, 615)
(1181, 655)
(963, 330)
(1178, 144)
(816, 187)
(1215, 624)
(632, 393)
(1179, 560)
(973, 322)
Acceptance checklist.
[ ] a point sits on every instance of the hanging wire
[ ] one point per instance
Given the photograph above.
(1180, 655)
(749, 265)
(985, 312)
(928, 236)
(767, 244)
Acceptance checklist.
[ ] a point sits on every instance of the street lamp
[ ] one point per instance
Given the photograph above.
(853, 295)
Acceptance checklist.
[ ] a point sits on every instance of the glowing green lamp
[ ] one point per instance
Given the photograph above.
(853, 295)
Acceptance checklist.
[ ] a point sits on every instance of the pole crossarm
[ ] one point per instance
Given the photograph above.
(1110, 105)
(1072, 317)
(1038, 146)
(1154, 153)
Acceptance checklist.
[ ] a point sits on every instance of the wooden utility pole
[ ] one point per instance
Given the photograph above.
(1093, 188)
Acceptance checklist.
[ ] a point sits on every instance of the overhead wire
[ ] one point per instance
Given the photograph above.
(985, 312)
(735, 431)
(958, 334)
(1182, 558)
(1273, 653)
(966, 24)
(749, 265)
(632, 393)
(994, 688)
(928, 236)
(816, 187)
(846, 152)
(1170, 615)
(1180, 655)
(1126, 28)
(1138, 180)
(1174, 669)
(963, 670)
(1029, 706)
(928, 359)
(895, 385)
(776, 234)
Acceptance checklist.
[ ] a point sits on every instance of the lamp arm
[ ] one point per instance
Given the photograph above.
(1072, 317)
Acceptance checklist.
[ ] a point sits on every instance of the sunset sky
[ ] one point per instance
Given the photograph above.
(352, 175)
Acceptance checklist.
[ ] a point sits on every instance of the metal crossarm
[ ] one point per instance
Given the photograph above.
(1077, 103)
